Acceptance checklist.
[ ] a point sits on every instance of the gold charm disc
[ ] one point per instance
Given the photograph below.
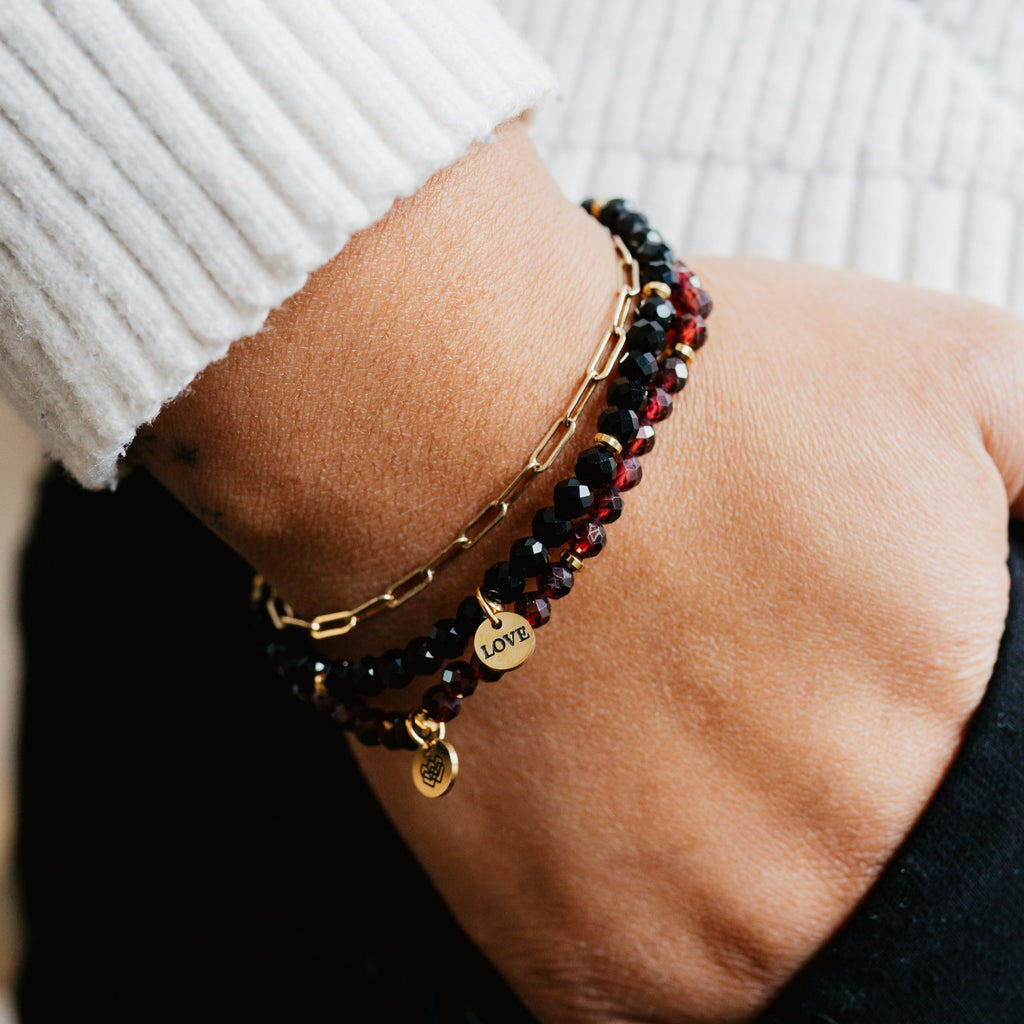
(434, 768)
(505, 645)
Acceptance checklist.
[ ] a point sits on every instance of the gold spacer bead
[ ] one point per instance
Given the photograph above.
(319, 687)
(607, 441)
(570, 561)
(683, 351)
(596, 206)
(658, 288)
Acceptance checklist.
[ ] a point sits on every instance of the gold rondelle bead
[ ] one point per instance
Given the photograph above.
(319, 687)
(658, 288)
(570, 561)
(607, 441)
(683, 351)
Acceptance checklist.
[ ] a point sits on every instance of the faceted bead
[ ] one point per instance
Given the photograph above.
(364, 725)
(390, 729)
(637, 365)
(527, 557)
(666, 273)
(631, 228)
(650, 251)
(627, 394)
(690, 297)
(277, 652)
(323, 701)
(629, 474)
(658, 405)
(572, 498)
(595, 467)
(588, 538)
(647, 336)
(688, 329)
(613, 209)
(366, 678)
(503, 583)
(619, 423)
(344, 713)
(643, 442)
(420, 658)
(657, 309)
(447, 639)
(555, 581)
(469, 615)
(607, 505)
(483, 672)
(339, 679)
(535, 608)
(550, 528)
(458, 679)
(393, 672)
(300, 672)
(440, 704)
(673, 375)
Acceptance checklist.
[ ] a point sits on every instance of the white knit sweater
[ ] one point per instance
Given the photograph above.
(173, 169)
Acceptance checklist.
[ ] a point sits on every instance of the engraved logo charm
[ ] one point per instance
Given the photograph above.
(434, 768)
(506, 645)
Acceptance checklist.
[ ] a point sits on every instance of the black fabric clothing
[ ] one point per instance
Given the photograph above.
(196, 844)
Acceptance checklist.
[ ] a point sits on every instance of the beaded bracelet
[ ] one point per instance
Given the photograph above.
(651, 361)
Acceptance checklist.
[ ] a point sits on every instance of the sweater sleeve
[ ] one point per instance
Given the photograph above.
(172, 172)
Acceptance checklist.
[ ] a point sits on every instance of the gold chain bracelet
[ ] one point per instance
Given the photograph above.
(474, 530)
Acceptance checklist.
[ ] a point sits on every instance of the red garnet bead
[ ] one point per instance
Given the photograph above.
(658, 404)
(458, 679)
(607, 505)
(629, 473)
(392, 733)
(588, 538)
(483, 673)
(673, 375)
(534, 607)
(689, 296)
(643, 442)
(555, 581)
(364, 725)
(688, 330)
(441, 705)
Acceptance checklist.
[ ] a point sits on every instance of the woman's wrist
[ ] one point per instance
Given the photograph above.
(401, 388)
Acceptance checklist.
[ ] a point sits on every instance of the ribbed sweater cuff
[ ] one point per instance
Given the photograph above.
(172, 172)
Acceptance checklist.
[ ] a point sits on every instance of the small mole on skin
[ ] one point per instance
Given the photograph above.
(187, 454)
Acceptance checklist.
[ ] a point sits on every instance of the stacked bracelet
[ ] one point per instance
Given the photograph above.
(659, 325)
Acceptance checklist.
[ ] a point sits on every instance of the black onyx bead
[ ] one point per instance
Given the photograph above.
(393, 671)
(550, 528)
(572, 498)
(613, 209)
(631, 228)
(441, 705)
(458, 679)
(620, 423)
(647, 336)
(339, 678)
(595, 467)
(277, 652)
(420, 658)
(555, 581)
(447, 639)
(502, 582)
(469, 615)
(627, 394)
(637, 365)
(661, 271)
(657, 309)
(527, 556)
(366, 676)
(651, 251)
(301, 672)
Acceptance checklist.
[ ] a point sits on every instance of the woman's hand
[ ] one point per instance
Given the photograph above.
(735, 718)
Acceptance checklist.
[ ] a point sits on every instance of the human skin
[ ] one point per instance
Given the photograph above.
(747, 700)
